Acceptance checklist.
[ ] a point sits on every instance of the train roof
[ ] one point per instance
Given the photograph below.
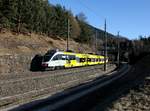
(69, 52)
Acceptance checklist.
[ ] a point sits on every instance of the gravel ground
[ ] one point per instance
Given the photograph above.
(15, 76)
(38, 83)
(137, 100)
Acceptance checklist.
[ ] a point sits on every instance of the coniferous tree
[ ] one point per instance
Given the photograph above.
(41, 17)
(86, 32)
(8, 13)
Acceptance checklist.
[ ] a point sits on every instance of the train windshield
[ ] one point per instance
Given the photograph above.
(48, 55)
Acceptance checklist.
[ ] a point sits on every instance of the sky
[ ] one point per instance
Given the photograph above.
(130, 17)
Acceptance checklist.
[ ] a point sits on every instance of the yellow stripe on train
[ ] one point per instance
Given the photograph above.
(83, 59)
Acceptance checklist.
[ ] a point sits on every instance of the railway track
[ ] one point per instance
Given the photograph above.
(73, 94)
(24, 89)
(28, 74)
(121, 88)
(98, 93)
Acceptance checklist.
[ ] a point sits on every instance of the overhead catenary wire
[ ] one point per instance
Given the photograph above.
(90, 9)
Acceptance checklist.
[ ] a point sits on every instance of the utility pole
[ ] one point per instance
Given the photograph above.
(105, 50)
(68, 33)
(96, 42)
(118, 55)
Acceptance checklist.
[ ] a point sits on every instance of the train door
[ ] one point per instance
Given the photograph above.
(68, 61)
(71, 61)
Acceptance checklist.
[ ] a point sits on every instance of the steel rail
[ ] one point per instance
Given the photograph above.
(48, 75)
(39, 91)
(62, 99)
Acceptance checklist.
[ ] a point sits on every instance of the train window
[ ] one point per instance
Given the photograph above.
(92, 60)
(96, 60)
(77, 59)
(59, 57)
(55, 57)
(89, 59)
(100, 60)
(72, 57)
(82, 59)
(63, 57)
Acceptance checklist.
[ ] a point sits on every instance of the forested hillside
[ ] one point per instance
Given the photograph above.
(39, 16)
(26, 16)
(43, 18)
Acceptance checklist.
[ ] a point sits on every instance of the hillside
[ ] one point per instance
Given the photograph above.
(18, 50)
(12, 43)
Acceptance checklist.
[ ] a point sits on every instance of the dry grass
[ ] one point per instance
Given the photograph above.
(17, 50)
(11, 43)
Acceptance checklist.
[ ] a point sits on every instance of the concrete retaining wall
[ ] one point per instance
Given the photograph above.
(15, 63)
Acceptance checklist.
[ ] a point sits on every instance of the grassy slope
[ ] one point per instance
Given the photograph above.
(11, 43)
(18, 50)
